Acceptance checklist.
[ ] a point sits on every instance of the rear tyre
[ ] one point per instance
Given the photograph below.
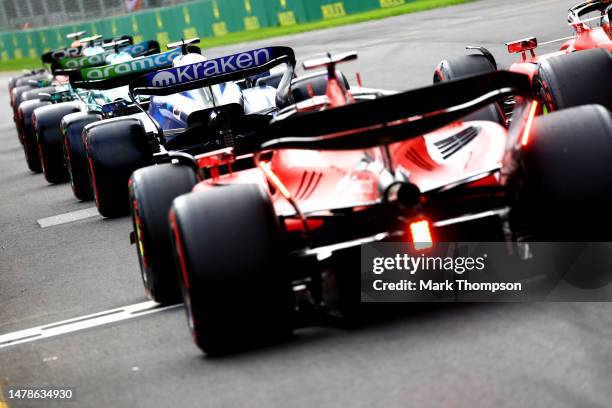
(28, 93)
(575, 79)
(152, 190)
(227, 243)
(465, 66)
(25, 79)
(47, 121)
(72, 126)
(16, 95)
(115, 148)
(567, 179)
(27, 134)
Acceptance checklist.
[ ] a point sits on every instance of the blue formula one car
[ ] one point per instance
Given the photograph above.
(192, 120)
(96, 94)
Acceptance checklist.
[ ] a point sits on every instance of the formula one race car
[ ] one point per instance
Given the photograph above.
(50, 123)
(240, 102)
(43, 77)
(180, 122)
(36, 93)
(273, 233)
(107, 98)
(26, 86)
(74, 50)
(562, 79)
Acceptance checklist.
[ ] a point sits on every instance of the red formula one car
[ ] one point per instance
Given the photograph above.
(269, 237)
(579, 73)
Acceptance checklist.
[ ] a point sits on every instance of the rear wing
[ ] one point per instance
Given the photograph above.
(215, 71)
(136, 50)
(121, 74)
(329, 61)
(71, 52)
(55, 55)
(76, 35)
(394, 118)
(129, 39)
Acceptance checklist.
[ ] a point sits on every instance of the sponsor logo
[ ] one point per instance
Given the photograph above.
(163, 79)
(136, 49)
(130, 67)
(84, 62)
(210, 68)
(100, 59)
(66, 52)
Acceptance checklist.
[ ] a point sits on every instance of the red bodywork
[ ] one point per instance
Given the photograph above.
(320, 181)
(586, 38)
(325, 180)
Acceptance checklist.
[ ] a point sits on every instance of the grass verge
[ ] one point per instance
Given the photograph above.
(244, 36)
(16, 65)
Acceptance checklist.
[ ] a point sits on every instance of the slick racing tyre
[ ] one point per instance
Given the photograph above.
(579, 78)
(27, 135)
(227, 243)
(16, 95)
(47, 121)
(115, 148)
(13, 80)
(28, 93)
(26, 79)
(567, 183)
(72, 126)
(466, 66)
(152, 190)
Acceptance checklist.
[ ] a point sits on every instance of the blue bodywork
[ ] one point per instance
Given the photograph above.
(172, 112)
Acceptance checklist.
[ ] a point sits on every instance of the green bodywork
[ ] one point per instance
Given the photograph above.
(162, 60)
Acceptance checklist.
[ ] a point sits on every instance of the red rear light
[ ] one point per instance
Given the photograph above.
(420, 234)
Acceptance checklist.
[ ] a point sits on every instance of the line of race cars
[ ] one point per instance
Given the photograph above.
(251, 188)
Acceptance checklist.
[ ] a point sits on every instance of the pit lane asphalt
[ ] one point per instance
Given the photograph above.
(485, 355)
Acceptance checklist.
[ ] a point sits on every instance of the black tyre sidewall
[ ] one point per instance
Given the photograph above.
(114, 151)
(238, 294)
(28, 134)
(47, 120)
(152, 190)
(575, 79)
(568, 180)
(465, 66)
(74, 151)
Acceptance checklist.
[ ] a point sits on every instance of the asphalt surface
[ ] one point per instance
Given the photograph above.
(510, 355)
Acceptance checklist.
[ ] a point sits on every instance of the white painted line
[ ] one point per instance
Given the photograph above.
(68, 217)
(82, 323)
